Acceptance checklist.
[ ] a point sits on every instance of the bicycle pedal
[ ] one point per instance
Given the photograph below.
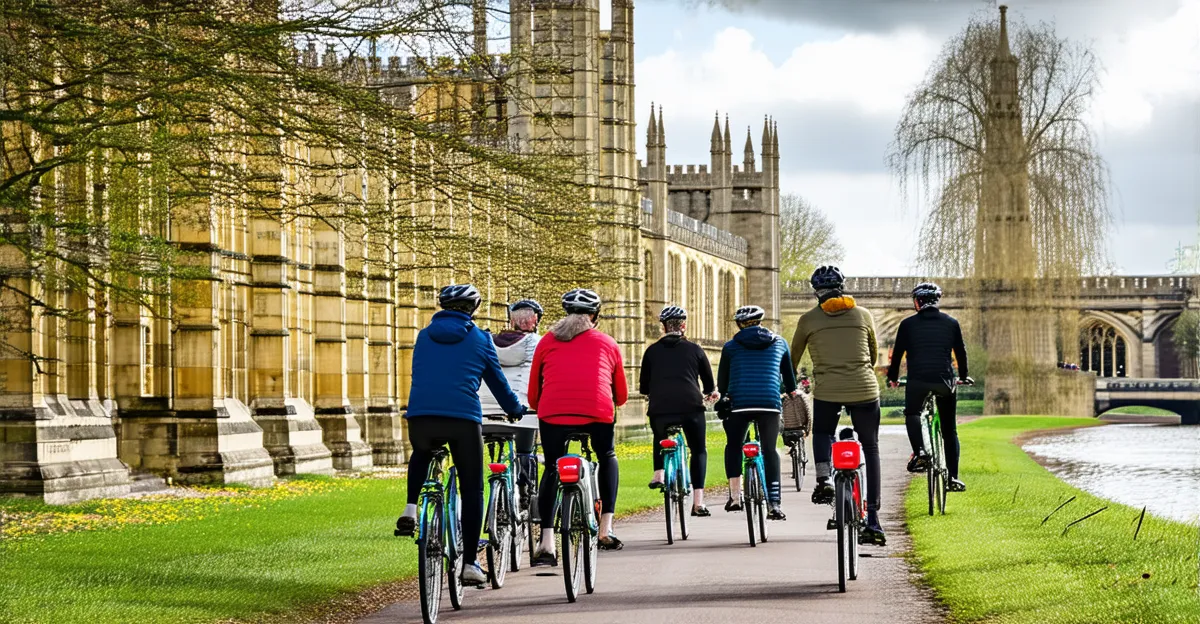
(831, 525)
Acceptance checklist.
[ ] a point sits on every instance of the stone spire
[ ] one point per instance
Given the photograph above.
(662, 128)
(728, 140)
(1002, 92)
(748, 155)
(715, 145)
(651, 132)
(767, 143)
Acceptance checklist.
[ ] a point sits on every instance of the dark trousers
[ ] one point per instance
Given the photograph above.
(946, 398)
(694, 431)
(736, 427)
(554, 444)
(465, 438)
(525, 442)
(865, 417)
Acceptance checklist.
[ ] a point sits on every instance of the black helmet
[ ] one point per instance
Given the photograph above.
(461, 297)
(927, 293)
(749, 313)
(581, 301)
(672, 313)
(526, 304)
(828, 278)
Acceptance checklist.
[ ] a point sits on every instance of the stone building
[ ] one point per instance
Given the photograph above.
(292, 353)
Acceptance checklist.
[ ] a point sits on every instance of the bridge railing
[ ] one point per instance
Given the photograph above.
(1109, 286)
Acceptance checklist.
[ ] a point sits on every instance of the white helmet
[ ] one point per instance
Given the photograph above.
(749, 313)
(581, 301)
(672, 313)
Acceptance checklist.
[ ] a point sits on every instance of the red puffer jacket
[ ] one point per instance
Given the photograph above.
(577, 378)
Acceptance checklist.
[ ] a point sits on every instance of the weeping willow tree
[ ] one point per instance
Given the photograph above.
(807, 239)
(995, 148)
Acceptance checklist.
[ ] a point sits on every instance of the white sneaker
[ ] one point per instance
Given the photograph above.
(472, 574)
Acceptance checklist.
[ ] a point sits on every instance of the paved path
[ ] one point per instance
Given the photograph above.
(715, 576)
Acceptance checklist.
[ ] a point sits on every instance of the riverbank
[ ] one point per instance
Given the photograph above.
(1002, 552)
(233, 554)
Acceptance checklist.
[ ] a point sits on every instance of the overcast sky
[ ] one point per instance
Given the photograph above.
(835, 75)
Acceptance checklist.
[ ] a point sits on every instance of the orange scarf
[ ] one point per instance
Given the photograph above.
(838, 304)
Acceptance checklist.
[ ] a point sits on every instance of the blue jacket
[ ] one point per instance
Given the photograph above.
(755, 369)
(450, 358)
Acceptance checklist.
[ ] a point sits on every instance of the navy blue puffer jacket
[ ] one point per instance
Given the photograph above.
(755, 369)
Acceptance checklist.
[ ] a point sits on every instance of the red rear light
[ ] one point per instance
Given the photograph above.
(569, 469)
(750, 450)
(498, 468)
(668, 443)
(847, 455)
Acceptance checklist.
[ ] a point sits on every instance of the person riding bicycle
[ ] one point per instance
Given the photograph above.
(450, 358)
(929, 338)
(670, 369)
(515, 347)
(840, 336)
(754, 370)
(576, 384)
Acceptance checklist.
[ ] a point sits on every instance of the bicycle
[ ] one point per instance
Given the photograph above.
(850, 512)
(507, 524)
(677, 483)
(754, 479)
(799, 456)
(439, 543)
(578, 516)
(937, 474)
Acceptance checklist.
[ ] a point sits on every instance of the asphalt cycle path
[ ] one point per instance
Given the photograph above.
(715, 576)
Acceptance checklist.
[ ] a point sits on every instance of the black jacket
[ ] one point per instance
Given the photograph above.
(928, 338)
(670, 369)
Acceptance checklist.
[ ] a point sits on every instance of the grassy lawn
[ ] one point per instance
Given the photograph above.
(992, 560)
(1141, 411)
(251, 553)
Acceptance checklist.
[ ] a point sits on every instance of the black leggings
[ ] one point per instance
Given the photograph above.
(554, 445)
(465, 437)
(865, 417)
(947, 406)
(694, 429)
(768, 432)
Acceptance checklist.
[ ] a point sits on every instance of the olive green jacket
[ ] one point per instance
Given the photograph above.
(841, 338)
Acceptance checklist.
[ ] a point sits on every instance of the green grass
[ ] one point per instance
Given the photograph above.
(1141, 411)
(992, 560)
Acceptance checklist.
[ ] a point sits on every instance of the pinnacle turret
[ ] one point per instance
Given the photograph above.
(715, 141)
(662, 128)
(652, 131)
(728, 140)
(748, 156)
(767, 145)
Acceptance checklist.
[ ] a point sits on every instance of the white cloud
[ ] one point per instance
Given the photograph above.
(872, 73)
(1148, 64)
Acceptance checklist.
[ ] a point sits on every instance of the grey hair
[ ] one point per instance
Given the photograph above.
(571, 326)
(525, 319)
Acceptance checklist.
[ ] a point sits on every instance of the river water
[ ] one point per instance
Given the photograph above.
(1157, 466)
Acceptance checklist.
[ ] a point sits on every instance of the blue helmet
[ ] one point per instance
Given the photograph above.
(828, 278)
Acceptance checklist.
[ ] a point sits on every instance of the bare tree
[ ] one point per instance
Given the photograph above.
(939, 153)
(1185, 333)
(807, 239)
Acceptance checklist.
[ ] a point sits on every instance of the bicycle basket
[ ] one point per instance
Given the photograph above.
(847, 455)
(797, 411)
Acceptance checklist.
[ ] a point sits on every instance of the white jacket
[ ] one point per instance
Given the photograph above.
(515, 360)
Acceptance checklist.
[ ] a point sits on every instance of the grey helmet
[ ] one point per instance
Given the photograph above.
(749, 313)
(526, 304)
(672, 313)
(461, 297)
(581, 301)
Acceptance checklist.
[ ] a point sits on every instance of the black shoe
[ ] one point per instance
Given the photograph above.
(700, 512)
(774, 512)
(543, 559)
(656, 485)
(822, 493)
(611, 543)
(918, 462)
(956, 486)
(406, 527)
(731, 505)
(872, 535)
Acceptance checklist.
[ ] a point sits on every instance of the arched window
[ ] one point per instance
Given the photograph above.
(1102, 351)
(693, 289)
(648, 293)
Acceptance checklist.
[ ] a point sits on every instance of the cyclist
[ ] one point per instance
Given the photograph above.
(515, 347)
(928, 338)
(450, 357)
(577, 381)
(754, 370)
(841, 338)
(670, 369)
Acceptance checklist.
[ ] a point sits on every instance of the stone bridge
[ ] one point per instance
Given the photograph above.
(1181, 396)
(1125, 319)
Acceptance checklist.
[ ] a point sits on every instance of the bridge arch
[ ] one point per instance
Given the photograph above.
(1108, 346)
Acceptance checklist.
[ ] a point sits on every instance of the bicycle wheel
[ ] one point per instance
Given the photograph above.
(748, 488)
(429, 560)
(668, 513)
(455, 555)
(803, 461)
(574, 529)
(683, 500)
(500, 534)
(520, 535)
(591, 560)
(761, 504)
(943, 472)
(841, 519)
(855, 516)
(529, 498)
(797, 470)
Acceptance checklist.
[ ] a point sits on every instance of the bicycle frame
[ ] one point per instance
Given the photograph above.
(585, 480)
(752, 457)
(675, 461)
(502, 468)
(434, 489)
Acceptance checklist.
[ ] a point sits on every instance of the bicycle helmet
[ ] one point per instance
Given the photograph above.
(581, 301)
(927, 294)
(461, 297)
(672, 313)
(749, 313)
(828, 278)
(526, 304)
